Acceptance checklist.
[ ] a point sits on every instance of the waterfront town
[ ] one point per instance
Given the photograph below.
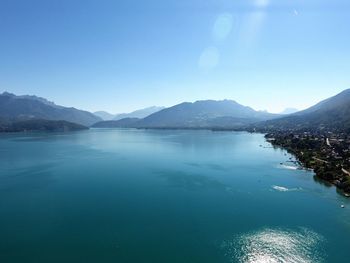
(326, 152)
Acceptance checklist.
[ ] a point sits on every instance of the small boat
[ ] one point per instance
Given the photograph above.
(342, 206)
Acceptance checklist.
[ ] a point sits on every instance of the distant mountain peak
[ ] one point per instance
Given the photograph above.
(104, 115)
(5, 93)
(229, 101)
(142, 113)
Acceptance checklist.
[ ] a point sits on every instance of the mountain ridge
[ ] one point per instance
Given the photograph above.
(25, 107)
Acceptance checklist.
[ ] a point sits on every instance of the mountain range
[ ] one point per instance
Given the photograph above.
(199, 114)
(19, 108)
(332, 113)
(204, 114)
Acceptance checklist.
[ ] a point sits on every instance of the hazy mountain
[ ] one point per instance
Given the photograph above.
(332, 113)
(104, 115)
(123, 123)
(16, 108)
(204, 114)
(289, 111)
(142, 113)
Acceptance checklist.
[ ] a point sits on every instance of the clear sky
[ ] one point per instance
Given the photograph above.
(123, 55)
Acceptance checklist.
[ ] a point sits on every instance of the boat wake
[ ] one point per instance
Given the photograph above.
(288, 167)
(285, 189)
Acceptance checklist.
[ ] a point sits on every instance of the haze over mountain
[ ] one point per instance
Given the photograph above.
(333, 113)
(289, 111)
(15, 108)
(142, 113)
(104, 115)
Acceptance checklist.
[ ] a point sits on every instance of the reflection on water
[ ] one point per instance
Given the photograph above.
(274, 245)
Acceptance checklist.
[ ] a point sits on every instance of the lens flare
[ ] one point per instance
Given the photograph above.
(222, 26)
(262, 3)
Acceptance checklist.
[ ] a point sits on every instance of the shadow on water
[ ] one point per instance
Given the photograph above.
(212, 166)
(190, 181)
(322, 182)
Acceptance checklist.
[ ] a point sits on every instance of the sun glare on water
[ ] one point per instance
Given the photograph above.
(280, 246)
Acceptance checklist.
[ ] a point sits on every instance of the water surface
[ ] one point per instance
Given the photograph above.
(114, 195)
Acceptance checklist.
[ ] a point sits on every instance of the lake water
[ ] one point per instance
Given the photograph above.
(163, 196)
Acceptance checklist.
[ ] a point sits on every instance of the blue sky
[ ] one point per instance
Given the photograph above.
(124, 55)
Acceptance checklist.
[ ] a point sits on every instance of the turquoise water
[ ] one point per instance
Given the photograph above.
(163, 196)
